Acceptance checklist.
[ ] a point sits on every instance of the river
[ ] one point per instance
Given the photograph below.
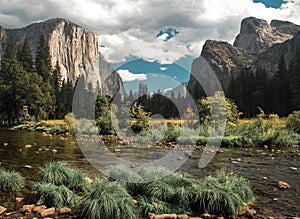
(263, 167)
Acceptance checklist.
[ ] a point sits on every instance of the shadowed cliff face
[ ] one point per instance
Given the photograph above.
(258, 44)
(75, 48)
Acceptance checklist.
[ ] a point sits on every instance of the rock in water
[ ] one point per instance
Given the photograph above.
(48, 212)
(283, 185)
(2, 210)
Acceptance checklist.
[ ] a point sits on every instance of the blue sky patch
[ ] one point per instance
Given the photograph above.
(167, 33)
(271, 3)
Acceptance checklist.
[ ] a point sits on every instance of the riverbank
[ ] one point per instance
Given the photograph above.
(270, 131)
(264, 167)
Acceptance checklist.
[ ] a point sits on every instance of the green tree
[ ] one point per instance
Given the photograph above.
(215, 105)
(43, 67)
(56, 88)
(140, 118)
(294, 85)
(103, 114)
(280, 89)
(25, 57)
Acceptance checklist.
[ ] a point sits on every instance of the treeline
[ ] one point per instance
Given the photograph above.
(169, 106)
(276, 94)
(32, 89)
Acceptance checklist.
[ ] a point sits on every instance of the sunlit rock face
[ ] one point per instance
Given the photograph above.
(72, 46)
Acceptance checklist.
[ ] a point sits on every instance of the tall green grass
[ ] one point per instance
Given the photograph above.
(222, 195)
(10, 181)
(106, 200)
(54, 196)
(60, 173)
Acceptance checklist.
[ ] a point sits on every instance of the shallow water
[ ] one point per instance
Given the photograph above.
(263, 167)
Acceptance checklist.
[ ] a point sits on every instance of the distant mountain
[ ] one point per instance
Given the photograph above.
(259, 44)
(73, 47)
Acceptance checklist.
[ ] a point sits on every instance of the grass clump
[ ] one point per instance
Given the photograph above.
(57, 173)
(106, 200)
(53, 195)
(60, 173)
(222, 195)
(10, 181)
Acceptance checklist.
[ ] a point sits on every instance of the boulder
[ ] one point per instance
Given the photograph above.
(39, 209)
(183, 216)
(206, 216)
(28, 146)
(2, 210)
(27, 208)
(283, 185)
(65, 211)
(19, 199)
(48, 212)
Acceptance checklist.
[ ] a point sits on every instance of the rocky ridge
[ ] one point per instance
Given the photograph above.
(259, 44)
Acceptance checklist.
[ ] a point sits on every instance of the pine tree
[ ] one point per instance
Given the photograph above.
(25, 57)
(56, 88)
(103, 114)
(294, 85)
(43, 67)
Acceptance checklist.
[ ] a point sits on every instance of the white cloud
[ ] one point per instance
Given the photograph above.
(129, 27)
(167, 89)
(128, 76)
(163, 36)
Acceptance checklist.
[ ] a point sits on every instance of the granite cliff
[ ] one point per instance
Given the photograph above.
(259, 44)
(74, 47)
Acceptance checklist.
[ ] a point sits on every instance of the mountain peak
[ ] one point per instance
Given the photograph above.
(257, 35)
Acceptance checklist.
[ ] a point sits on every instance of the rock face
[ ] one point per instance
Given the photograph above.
(259, 44)
(258, 35)
(74, 47)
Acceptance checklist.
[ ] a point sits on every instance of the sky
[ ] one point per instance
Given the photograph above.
(164, 31)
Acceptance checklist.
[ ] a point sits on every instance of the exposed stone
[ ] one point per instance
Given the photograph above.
(251, 213)
(206, 216)
(162, 216)
(2, 209)
(257, 35)
(27, 167)
(39, 209)
(19, 199)
(259, 44)
(75, 48)
(283, 185)
(48, 212)
(27, 208)
(65, 211)
(183, 216)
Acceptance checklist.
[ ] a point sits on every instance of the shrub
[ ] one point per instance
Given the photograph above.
(172, 133)
(10, 181)
(69, 120)
(106, 200)
(293, 121)
(54, 196)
